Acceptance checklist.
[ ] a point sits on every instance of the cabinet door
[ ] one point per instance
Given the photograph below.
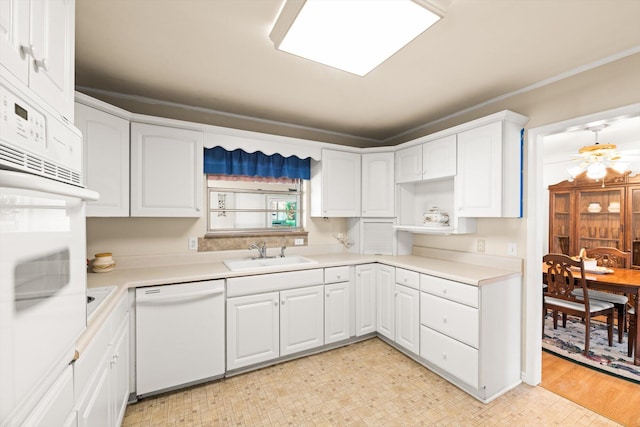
(166, 171)
(96, 410)
(633, 224)
(378, 195)
(301, 319)
(56, 405)
(478, 183)
(252, 329)
(106, 160)
(14, 33)
(52, 72)
(596, 224)
(120, 374)
(336, 312)
(365, 299)
(560, 224)
(407, 318)
(340, 184)
(408, 164)
(385, 289)
(439, 158)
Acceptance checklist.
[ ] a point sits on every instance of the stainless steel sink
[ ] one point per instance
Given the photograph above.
(243, 264)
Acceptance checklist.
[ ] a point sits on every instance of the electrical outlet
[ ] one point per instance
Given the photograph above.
(480, 243)
(512, 249)
(298, 242)
(193, 243)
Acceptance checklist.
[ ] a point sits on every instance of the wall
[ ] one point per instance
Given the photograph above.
(149, 236)
(606, 87)
(612, 85)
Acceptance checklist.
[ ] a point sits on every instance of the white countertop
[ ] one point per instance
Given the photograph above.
(125, 278)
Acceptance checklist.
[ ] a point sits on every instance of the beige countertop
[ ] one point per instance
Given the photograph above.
(460, 270)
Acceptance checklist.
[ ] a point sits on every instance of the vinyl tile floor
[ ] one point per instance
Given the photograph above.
(368, 383)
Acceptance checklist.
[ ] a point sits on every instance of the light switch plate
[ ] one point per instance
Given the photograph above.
(298, 242)
(193, 243)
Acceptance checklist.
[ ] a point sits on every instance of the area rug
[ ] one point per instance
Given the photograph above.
(569, 343)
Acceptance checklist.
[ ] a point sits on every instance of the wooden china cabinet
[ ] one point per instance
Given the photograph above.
(586, 213)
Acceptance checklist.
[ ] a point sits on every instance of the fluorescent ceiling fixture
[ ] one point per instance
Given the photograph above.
(352, 35)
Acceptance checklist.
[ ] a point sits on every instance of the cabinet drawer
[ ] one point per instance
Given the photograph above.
(336, 274)
(248, 285)
(408, 278)
(456, 358)
(454, 291)
(450, 318)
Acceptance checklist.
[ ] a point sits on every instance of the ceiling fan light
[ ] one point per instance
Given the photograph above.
(620, 167)
(575, 171)
(596, 171)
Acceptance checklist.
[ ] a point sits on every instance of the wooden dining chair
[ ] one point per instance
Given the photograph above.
(559, 296)
(612, 258)
(631, 313)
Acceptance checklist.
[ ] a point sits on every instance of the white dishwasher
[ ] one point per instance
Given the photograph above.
(179, 335)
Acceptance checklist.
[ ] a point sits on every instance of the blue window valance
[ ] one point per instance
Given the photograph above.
(219, 161)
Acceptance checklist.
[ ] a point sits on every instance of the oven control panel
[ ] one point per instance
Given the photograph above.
(22, 122)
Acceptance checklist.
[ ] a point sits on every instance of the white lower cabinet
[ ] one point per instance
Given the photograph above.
(56, 406)
(470, 334)
(266, 326)
(407, 318)
(301, 319)
(101, 374)
(253, 334)
(365, 282)
(385, 300)
(337, 312)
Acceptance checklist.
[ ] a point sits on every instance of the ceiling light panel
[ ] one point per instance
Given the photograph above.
(352, 35)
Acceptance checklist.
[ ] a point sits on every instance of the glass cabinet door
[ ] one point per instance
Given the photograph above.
(634, 226)
(560, 223)
(600, 218)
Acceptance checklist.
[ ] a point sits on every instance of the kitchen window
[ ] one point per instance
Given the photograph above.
(243, 204)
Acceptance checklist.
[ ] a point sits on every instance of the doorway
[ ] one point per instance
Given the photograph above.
(537, 219)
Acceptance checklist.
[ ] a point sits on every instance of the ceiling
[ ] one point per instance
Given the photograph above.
(216, 55)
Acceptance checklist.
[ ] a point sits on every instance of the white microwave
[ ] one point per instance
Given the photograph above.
(32, 139)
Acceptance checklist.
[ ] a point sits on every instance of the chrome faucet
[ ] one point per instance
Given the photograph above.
(261, 247)
(282, 251)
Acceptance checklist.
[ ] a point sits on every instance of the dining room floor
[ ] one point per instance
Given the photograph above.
(366, 383)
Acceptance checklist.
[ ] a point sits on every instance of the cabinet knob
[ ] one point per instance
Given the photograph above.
(405, 280)
(41, 64)
(338, 276)
(282, 303)
(444, 319)
(275, 303)
(328, 294)
(444, 356)
(197, 209)
(444, 290)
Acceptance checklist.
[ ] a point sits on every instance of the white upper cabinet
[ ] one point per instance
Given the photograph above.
(335, 185)
(488, 182)
(378, 195)
(106, 160)
(37, 49)
(408, 164)
(166, 171)
(439, 158)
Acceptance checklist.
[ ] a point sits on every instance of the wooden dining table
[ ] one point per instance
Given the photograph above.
(622, 281)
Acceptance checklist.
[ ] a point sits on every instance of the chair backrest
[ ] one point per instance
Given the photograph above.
(560, 280)
(610, 257)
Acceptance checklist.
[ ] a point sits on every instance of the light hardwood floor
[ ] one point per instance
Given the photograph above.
(615, 398)
(368, 383)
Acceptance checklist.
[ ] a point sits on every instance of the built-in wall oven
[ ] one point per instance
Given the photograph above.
(42, 257)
